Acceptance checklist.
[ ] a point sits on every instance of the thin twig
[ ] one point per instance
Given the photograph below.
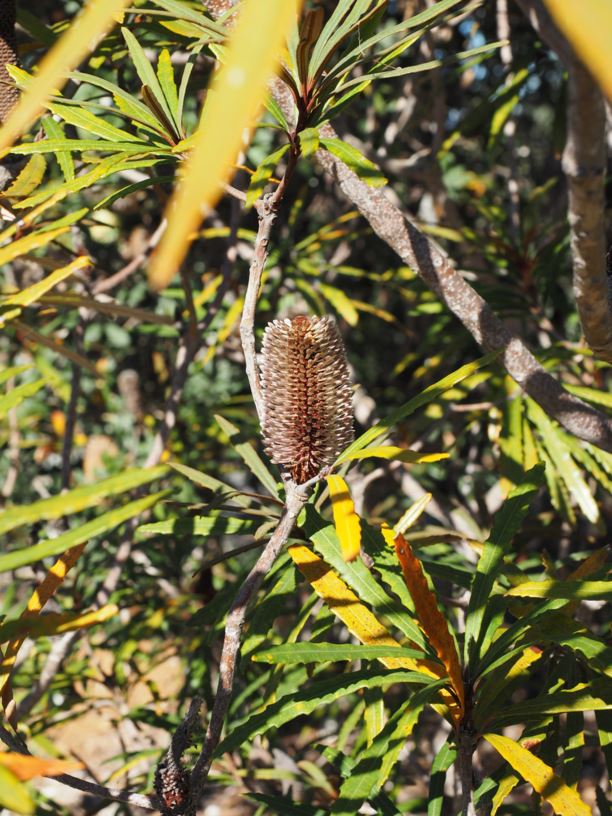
(267, 209)
(106, 284)
(231, 643)
(71, 410)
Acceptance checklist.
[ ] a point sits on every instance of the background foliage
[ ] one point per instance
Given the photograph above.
(163, 520)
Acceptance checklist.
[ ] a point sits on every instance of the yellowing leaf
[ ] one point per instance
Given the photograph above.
(346, 605)
(412, 514)
(587, 25)
(43, 592)
(80, 39)
(29, 242)
(14, 795)
(430, 619)
(236, 96)
(29, 178)
(27, 767)
(37, 290)
(346, 520)
(563, 799)
(392, 452)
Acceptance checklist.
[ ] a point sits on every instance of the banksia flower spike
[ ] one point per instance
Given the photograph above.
(308, 416)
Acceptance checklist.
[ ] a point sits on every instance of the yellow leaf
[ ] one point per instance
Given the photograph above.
(30, 242)
(346, 520)
(505, 787)
(43, 592)
(80, 39)
(358, 619)
(27, 767)
(235, 98)
(33, 293)
(346, 605)
(412, 514)
(29, 178)
(430, 619)
(563, 799)
(392, 452)
(588, 26)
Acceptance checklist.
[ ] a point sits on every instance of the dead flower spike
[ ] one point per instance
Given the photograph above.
(308, 416)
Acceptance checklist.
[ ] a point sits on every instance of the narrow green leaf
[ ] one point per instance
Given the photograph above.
(569, 590)
(261, 176)
(357, 162)
(165, 74)
(55, 546)
(81, 118)
(442, 762)
(321, 652)
(78, 499)
(375, 763)
(309, 141)
(199, 526)
(80, 145)
(55, 131)
(305, 700)
(249, 455)
(565, 467)
(15, 397)
(147, 74)
(507, 522)
(210, 483)
(357, 575)
(426, 396)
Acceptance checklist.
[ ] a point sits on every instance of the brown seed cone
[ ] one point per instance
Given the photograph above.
(308, 414)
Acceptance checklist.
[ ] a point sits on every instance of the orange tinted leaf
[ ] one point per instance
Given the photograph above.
(346, 520)
(432, 621)
(27, 767)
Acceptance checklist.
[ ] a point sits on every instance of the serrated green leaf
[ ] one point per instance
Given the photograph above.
(82, 118)
(78, 499)
(210, 483)
(80, 145)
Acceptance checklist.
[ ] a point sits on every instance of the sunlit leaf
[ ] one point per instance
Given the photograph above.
(236, 96)
(346, 520)
(13, 795)
(429, 617)
(78, 499)
(392, 452)
(563, 799)
(570, 590)
(587, 26)
(79, 39)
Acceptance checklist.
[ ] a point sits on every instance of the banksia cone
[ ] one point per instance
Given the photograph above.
(308, 417)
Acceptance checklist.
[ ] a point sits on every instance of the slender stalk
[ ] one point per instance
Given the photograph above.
(232, 638)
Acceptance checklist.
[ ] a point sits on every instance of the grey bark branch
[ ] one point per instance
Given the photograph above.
(296, 497)
(396, 229)
(584, 164)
